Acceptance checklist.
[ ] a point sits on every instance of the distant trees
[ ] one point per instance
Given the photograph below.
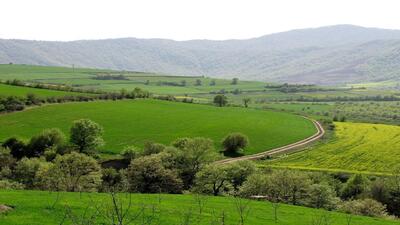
(235, 142)
(86, 135)
(235, 81)
(220, 100)
(212, 83)
(197, 82)
(183, 83)
(246, 102)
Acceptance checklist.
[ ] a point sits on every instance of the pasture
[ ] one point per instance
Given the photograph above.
(355, 147)
(133, 122)
(40, 207)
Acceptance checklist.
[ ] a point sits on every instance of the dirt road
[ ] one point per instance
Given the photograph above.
(280, 150)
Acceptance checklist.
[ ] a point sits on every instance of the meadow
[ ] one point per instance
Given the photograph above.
(133, 122)
(39, 207)
(355, 147)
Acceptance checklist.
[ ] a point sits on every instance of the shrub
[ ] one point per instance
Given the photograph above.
(234, 142)
(364, 207)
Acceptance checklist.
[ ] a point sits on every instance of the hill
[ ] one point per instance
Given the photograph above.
(355, 147)
(342, 54)
(35, 207)
(135, 122)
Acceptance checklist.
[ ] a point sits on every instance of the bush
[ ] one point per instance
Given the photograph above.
(46, 140)
(321, 196)
(234, 142)
(364, 207)
(11, 185)
(16, 146)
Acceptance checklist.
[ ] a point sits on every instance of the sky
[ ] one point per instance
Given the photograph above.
(66, 20)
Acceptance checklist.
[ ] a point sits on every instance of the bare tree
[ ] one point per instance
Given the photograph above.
(243, 209)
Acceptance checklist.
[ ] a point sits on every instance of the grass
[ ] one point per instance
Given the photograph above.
(34, 207)
(10, 90)
(354, 147)
(133, 122)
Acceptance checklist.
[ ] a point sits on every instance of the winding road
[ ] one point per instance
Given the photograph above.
(280, 150)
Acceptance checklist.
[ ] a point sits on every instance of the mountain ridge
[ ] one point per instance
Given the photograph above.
(331, 55)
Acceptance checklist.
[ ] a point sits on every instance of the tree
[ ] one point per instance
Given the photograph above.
(45, 140)
(234, 142)
(129, 153)
(364, 207)
(73, 172)
(238, 173)
(6, 159)
(26, 171)
(321, 196)
(198, 82)
(246, 102)
(235, 81)
(220, 100)
(212, 83)
(86, 135)
(153, 148)
(16, 146)
(147, 174)
(211, 179)
(183, 83)
(356, 185)
(193, 154)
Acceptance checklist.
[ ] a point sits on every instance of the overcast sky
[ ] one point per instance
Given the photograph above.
(184, 19)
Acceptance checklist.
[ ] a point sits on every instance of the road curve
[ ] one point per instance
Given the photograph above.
(280, 150)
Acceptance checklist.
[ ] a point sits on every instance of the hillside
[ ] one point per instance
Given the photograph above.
(34, 207)
(355, 147)
(342, 54)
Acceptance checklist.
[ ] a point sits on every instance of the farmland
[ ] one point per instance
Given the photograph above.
(355, 147)
(34, 207)
(10, 90)
(138, 121)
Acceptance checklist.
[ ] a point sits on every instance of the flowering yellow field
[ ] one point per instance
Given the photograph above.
(355, 147)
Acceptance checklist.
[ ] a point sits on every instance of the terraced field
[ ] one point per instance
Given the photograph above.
(355, 147)
(35, 207)
(133, 122)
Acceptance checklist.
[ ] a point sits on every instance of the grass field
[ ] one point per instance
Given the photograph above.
(10, 90)
(132, 122)
(34, 207)
(355, 147)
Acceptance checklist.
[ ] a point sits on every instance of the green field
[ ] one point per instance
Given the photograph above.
(34, 207)
(354, 147)
(10, 90)
(133, 122)
(157, 83)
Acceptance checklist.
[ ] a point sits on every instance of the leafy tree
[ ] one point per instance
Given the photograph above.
(73, 172)
(235, 81)
(6, 159)
(32, 99)
(47, 139)
(86, 135)
(238, 173)
(321, 196)
(212, 83)
(198, 82)
(234, 142)
(211, 179)
(356, 185)
(147, 174)
(183, 83)
(220, 100)
(112, 180)
(193, 155)
(26, 171)
(153, 148)
(246, 102)
(16, 146)
(129, 153)
(255, 184)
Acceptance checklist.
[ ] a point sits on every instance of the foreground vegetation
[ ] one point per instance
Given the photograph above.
(136, 122)
(355, 147)
(36, 207)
